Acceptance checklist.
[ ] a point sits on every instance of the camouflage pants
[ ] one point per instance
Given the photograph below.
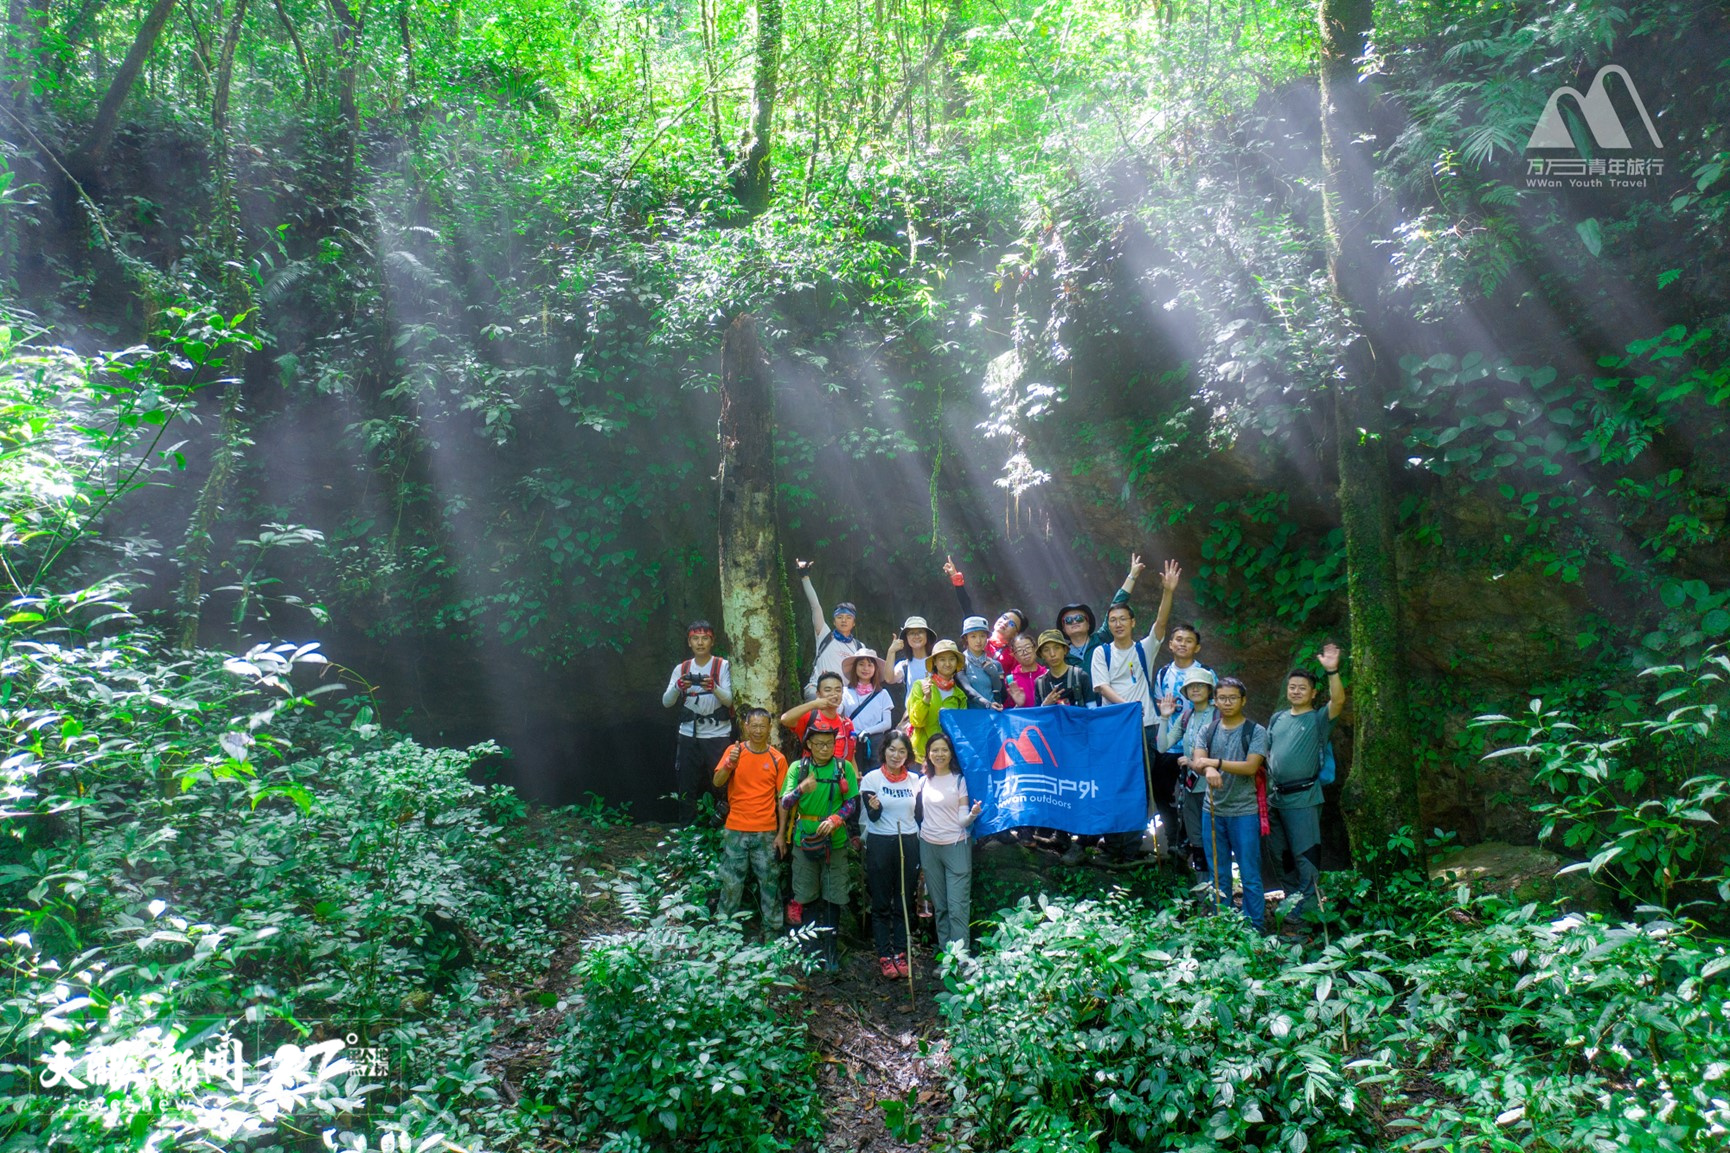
(745, 853)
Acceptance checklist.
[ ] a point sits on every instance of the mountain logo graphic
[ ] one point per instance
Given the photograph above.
(1606, 127)
(1029, 748)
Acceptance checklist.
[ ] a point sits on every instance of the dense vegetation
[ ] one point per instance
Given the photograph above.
(395, 332)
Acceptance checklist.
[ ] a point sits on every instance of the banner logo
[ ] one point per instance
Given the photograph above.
(1026, 751)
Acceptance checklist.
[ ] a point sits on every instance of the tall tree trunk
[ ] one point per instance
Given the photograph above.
(755, 178)
(348, 32)
(754, 606)
(225, 78)
(1381, 791)
(299, 49)
(89, 154)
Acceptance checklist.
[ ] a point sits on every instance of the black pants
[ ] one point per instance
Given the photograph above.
(1165, 774)
(891, 874)
(694, 771)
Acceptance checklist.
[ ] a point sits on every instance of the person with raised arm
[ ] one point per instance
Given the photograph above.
(834, 634)
(1082, 631)
(915, 639)
(824, 712)
(753, 773)
(1297, 741)
(1011, 623)
(1122, 673)
(1231, 752)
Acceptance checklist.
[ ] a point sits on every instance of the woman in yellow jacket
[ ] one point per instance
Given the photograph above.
(933, 694)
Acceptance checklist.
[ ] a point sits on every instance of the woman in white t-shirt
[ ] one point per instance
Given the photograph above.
(945, 816)
(891, 796)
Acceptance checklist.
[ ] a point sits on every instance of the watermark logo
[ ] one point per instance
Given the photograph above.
(1607, 131)
(1029, 747)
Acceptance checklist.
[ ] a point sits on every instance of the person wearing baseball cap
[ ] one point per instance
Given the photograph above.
(702, 688)
(834, 634)
(981, 675)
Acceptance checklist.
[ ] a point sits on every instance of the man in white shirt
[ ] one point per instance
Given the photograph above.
(1122, 674)
(702, 687)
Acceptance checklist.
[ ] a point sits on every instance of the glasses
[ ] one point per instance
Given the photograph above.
(1228, 698)
(1074, 619)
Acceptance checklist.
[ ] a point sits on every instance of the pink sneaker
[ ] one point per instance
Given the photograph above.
(888, 967)
(795, 913)
(902, 967)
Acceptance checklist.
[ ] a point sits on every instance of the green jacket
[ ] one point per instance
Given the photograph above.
(836, 794)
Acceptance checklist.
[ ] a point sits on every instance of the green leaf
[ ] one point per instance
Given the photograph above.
(1591, 235)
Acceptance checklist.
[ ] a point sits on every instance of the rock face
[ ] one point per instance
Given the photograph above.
(1522, 873)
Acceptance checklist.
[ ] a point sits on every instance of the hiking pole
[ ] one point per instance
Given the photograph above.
(1213, 862)
(906, 917)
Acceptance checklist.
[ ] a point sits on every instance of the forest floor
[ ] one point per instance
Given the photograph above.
(877, 1041)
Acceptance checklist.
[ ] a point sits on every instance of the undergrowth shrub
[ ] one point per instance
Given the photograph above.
(683, 1035)
(1110, 1026)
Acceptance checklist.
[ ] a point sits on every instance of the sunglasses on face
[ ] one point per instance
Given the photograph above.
(1074, 619)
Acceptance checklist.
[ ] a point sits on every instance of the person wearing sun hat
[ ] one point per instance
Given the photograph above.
(834, 635)
(940, 689)
(915, 639)
(865, 701)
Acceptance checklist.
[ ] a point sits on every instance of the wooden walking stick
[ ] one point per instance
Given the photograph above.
(906, 917)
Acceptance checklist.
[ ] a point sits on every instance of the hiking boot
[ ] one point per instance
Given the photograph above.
(888, 967)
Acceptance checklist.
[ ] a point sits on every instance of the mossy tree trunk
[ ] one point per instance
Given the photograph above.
(1381, 793)
(753, 592)
(755, 179)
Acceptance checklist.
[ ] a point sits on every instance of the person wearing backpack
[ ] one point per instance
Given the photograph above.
(835, 639)
(1121, 675)
(821, 794)
(1299, 763)
(866, 702)
(1231, 753)
(702, 687)
(753, 773)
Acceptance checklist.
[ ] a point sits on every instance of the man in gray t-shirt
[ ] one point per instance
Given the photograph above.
(1231, 751)
(1297, 737)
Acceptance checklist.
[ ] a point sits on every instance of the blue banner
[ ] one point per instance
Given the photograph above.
(1060, 767)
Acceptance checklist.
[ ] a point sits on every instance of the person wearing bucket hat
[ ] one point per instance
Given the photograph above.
(1063, 683)
(940, 689)
(981, 675)
(915, 639)
(1179, 730)
(821, 794)
(834, 634)
(865, 701)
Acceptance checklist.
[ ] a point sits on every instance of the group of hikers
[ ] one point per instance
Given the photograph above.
(1225, 789)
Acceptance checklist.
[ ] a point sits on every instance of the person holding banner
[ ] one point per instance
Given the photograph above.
(941, 690)
(1122, 675)
(891, 796)
(1231, 752)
